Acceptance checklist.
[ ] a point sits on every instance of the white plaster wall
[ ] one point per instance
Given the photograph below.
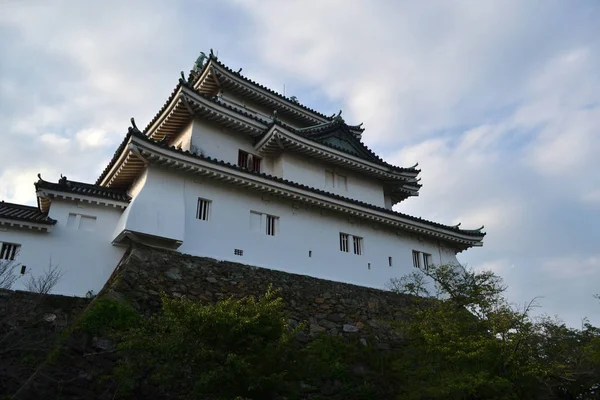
(158, 207)
(87, 258)
(311, 172)
(300, 230)
(183, 140)
(224, 144)
(252, 106)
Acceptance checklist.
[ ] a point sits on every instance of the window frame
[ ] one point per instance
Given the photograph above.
(242, 162)
(344, 242)
(416, 259)
(5, 251)
(357, 244)
(206, 210)
(426, 260)
(271, 225)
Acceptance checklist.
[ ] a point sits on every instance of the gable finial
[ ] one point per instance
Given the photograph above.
(200, 61)
(294, 99)
(338, 117)
(39, 176)
(274, 116)
(239, 71)
(62, 180)
(133, 128)
(182, 79)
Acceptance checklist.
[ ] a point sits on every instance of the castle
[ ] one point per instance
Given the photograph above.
(232, 170)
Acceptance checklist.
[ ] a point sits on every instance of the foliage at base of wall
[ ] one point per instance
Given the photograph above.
(170, 326)
(30, 325)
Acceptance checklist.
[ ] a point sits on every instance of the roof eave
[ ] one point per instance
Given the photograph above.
(17, 223)
(280, 136)
(284, 103)
(177, 161)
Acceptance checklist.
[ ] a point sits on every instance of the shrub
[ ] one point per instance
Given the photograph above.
(223, 350)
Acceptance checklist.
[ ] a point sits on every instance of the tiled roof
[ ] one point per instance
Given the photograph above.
(19, 212)
(117, 153)
(312, 133)
(475, 233)
(258, 85)
(83, 189)
(338, 125)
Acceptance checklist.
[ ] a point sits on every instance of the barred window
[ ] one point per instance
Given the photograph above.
(416, 259)
(271, 225)
(266, 223)
(426, 261)
(203, 209)
(358, 244)
(8, 251)
(249, 161)
(344, 242)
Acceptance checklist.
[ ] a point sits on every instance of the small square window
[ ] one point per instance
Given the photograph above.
(238, 252)
(203, 209)
(390, 261)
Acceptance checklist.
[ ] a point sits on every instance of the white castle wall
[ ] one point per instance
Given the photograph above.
(224, 144)
(311, 172)
(86, 257)
(300, 231)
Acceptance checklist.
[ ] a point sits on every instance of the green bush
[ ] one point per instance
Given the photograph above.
(106, 317)
(215, 351)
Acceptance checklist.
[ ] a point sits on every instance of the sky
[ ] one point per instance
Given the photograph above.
(498, 101)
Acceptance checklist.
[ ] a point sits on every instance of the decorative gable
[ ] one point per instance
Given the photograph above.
(344, 141)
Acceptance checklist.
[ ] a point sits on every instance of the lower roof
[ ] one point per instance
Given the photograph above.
(23, 213)
(80, 190)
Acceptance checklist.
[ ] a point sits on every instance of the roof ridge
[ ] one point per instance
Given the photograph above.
(19, 205)
(215, 59)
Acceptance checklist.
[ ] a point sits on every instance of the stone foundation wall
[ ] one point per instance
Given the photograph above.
(29, 327)
(324, 306)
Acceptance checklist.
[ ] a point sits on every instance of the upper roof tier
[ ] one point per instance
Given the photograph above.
(334, 136)
(210, 76)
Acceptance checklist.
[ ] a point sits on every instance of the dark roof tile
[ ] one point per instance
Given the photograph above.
(83, 189)
(476, 233)
(258, 85)
(19, 212)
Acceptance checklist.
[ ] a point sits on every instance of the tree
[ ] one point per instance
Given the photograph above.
(8, 275)
(467, 342)
(223, 350)
(44, 283)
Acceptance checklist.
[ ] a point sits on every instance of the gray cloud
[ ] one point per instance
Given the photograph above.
(498, 101)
